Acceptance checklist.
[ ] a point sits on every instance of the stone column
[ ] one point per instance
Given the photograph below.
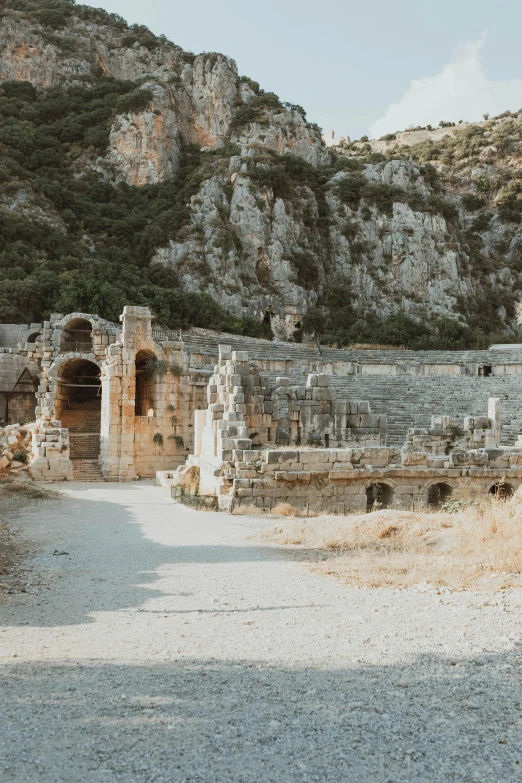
(136, 335)
(494, 413)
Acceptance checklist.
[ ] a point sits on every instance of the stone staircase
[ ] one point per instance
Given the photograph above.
(410, 401)
(84, 417)
(84, 445)
(204, 341)
(83, 423)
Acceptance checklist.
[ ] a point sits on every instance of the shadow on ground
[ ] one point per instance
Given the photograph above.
(112, 563)
(196, 721)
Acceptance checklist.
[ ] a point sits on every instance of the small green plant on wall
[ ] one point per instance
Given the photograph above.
(158, 439)
(176, 370)
(177, 439)
(155, 366)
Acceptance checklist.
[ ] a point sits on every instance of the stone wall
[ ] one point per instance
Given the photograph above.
(14, 335)
(18, 407)
(337, 482)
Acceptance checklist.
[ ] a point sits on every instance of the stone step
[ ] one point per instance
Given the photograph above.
(86, 470)
(84, 445)
(81, 421)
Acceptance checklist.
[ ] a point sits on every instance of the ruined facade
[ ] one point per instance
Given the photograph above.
(343, 464)
(254, 423)
(108, 396)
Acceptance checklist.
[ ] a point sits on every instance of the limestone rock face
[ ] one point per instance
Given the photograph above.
(195, 98)
(287, 132)
(405, 257)
(214, 93)
(145, 147)
(239, 249)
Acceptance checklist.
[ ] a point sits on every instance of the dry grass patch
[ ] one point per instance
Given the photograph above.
(247, 510)
(478, 546)
(284, 510)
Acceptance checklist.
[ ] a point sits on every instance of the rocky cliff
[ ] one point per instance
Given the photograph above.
(175, 177)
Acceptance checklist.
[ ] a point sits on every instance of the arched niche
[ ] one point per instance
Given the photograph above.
(144, 396)
(77, 336)
(34, 337)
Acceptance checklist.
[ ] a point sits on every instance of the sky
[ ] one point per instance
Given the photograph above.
(358, 67)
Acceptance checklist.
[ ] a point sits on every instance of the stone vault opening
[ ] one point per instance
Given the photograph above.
(378, 495)
(78, 396)
(78, 406)
(438, 494)
(501, 490)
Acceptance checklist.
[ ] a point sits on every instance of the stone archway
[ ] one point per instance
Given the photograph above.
(78, 407)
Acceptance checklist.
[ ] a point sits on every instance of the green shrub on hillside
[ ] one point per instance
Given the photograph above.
(305, 269)
(134, 102)
(355, 188)
(254, 86)
(141, 35)
(400, 330)
(472, 202)
(255, 111)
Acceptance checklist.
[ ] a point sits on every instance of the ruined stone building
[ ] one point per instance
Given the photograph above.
(247, 422)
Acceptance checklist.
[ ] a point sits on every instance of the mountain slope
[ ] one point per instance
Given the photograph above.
(134, 172)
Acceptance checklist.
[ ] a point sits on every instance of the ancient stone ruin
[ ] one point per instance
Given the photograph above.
(249, 423)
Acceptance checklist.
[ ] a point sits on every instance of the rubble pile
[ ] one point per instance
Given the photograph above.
(15, 447)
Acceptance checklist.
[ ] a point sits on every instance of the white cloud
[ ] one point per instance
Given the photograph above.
(461, 91)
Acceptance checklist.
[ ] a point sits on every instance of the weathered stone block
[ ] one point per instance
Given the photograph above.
(244, 493)
(321, 393)
(337, 475)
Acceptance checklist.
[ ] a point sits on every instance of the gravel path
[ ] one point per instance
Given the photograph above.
(166, 646)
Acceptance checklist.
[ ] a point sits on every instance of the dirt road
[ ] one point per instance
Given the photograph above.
(164, 645)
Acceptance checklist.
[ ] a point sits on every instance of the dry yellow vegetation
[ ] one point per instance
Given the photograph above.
(479, 545)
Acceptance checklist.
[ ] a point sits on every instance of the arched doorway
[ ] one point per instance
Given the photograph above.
(78, 406)
(77, 336)
(438, 494)
(501, 490)
(34, 338)
(144, 399)
(378, 496)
